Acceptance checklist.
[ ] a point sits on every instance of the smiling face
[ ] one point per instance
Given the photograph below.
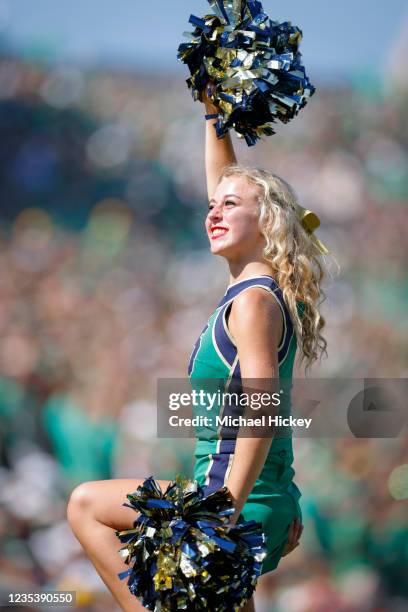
(232, 220)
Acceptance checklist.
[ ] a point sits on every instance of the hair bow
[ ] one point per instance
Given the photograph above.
(310, 221)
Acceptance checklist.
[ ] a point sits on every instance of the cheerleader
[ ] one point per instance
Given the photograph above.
(268, 314)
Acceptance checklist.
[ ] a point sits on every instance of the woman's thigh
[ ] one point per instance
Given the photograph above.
(104, 499)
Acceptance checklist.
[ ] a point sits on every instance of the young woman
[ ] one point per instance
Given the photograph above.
(268, 311)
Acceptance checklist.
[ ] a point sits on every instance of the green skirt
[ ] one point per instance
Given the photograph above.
(273, 501)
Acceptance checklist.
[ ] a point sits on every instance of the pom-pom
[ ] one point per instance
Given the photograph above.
(254, 64)
(184, 554)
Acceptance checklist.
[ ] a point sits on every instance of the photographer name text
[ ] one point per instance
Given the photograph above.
(239, 421)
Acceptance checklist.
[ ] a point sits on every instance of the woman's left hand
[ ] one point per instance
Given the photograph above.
(295, 531)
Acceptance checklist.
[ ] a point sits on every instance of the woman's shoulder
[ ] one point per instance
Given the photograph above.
(256, 321)
(253, 297)
(255, 307)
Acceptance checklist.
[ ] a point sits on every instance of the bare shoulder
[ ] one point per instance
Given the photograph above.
(255, 309)
(255, 301)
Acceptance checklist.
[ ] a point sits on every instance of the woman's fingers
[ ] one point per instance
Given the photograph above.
(206, 93)
(288, 548)
(294, 534)
(299, 530)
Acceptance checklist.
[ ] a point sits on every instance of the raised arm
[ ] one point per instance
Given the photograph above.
(219, 153)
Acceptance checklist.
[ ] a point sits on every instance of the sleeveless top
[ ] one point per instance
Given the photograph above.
(214, 366)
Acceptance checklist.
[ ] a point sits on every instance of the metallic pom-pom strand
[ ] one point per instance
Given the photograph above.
(183, 553)
(254, 64)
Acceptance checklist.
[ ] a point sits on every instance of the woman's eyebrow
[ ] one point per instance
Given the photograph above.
(228, 195)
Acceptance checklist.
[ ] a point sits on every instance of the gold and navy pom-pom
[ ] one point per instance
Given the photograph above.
(254, 64)
(183, 553)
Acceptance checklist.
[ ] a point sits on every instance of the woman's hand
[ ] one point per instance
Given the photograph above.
(295, 531)
(205, 98)
(294, 534)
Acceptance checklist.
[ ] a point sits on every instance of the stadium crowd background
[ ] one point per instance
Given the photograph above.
(106, 280)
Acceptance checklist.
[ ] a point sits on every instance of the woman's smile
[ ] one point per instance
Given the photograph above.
(217, 231)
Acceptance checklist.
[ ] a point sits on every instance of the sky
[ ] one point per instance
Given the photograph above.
(340, 38)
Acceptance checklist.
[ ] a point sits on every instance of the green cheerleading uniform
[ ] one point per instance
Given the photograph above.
(214, 364)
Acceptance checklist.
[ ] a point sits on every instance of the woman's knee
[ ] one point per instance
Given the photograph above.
(80, 504)
(102, 501)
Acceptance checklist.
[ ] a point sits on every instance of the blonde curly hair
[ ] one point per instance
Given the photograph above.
(297, 264)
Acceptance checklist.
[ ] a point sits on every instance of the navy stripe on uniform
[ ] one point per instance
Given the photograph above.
(223, 339)
(218, 470)
(195, 351)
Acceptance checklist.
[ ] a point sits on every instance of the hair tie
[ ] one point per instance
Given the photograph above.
(310, 221)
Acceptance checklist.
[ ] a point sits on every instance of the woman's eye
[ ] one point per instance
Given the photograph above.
(229, 203)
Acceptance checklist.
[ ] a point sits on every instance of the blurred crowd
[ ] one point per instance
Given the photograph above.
(106, 281)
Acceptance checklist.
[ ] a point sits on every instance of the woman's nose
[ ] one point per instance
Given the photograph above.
(215, 213)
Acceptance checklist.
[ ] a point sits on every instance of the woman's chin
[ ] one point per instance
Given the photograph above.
(219, 249)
